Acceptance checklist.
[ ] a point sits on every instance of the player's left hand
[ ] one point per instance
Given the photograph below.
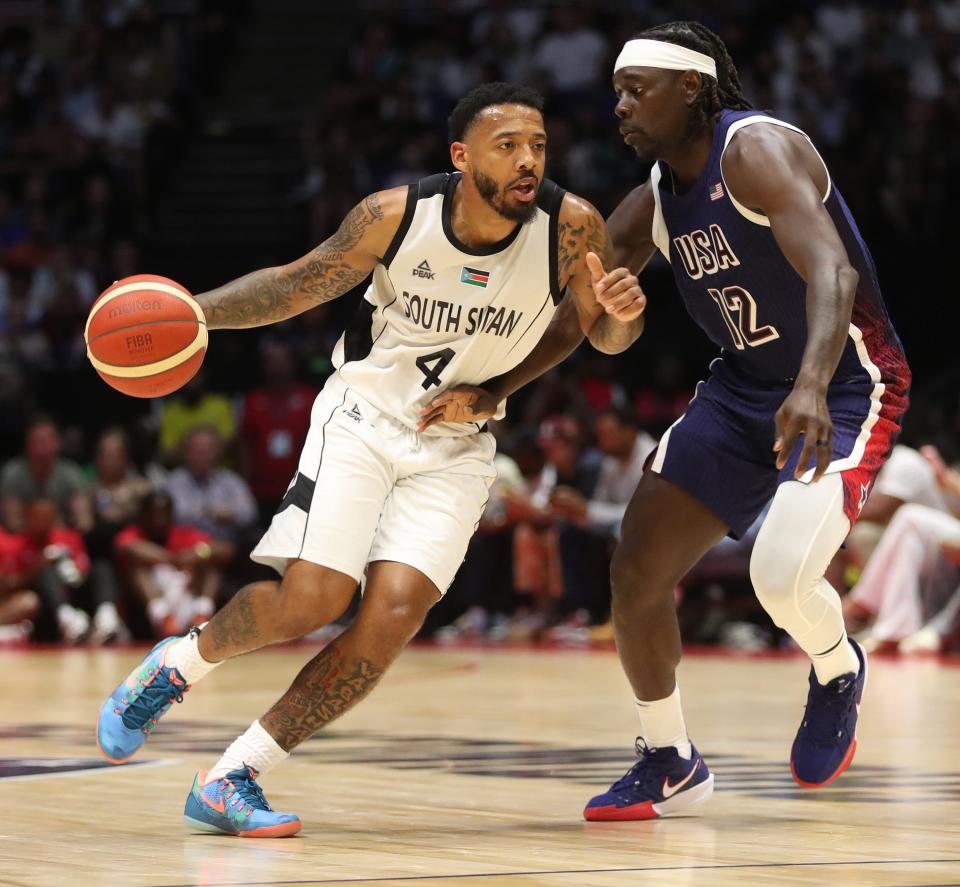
(618, 291)
(463, 403)
(804, 412)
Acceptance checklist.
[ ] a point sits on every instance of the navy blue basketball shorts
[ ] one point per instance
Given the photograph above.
(721, 449)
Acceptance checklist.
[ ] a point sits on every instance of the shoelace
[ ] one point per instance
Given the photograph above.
(153, 700)
(642, 773)
(249, 792)
(833, 705)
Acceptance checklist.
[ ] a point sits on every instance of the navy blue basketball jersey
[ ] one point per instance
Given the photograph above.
(741, 290)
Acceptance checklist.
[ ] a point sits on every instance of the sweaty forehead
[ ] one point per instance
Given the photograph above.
(499, 118)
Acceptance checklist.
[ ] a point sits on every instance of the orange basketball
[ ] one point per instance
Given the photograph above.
(146, 335)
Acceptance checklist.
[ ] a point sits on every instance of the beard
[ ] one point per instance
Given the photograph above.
(490, 192)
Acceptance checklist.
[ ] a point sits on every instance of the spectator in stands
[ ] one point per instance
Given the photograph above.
(172, 569)
(114, 502)
(911, 573)
(572, 52)
(18, 605)
(52, 560)
(191, 407)
(906, 478)
(276, 418)
(213, 499)
(591, 524)
(41, 473)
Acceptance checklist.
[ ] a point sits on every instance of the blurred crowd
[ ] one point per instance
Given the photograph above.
(123, 518)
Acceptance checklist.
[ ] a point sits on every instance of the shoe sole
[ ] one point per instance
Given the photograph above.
(848, 757)
(284, 830)
(680, 804)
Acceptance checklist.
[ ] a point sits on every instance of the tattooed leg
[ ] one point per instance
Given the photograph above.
(346, 671)
(271, 612)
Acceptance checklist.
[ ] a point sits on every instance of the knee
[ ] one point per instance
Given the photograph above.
(302, 607)
(776, 568)
(397, 613)
(634, 583)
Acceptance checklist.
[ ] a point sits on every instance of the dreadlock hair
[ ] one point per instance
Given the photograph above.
(715, 94)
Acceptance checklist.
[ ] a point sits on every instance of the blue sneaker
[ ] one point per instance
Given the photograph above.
(661, 783)
(235, 805)
(132, 711)
(827, 738)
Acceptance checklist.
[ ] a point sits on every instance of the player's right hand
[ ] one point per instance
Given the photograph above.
(464, 403)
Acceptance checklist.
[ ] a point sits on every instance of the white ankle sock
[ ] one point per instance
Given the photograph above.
(184, 655)
(661, 723)
(256, 748)
(840, 659)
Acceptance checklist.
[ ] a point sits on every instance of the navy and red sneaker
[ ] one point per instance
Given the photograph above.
(661, 783)
(827, 738)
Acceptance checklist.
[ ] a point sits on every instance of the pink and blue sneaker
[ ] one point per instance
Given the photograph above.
(827, 738)
(134, 709)
(661, 783)
(235, 805)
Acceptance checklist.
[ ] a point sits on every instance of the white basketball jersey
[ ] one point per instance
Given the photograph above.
(439, 313)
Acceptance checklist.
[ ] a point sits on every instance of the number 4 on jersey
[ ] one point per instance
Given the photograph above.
(439, 359)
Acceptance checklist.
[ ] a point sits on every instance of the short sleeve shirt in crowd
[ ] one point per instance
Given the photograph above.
(907, 476)
(179, 417)
(27, 550)
(275, 427)
(64, 482)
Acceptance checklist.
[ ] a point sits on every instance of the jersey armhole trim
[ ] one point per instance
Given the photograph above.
(413, 194)
(661, 238)
(551, 198)
(746, 212)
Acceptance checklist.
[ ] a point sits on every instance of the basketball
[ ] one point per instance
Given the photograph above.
(146, 335)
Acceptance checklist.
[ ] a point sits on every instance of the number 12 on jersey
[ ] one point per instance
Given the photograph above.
(735, 300)
(439, 359)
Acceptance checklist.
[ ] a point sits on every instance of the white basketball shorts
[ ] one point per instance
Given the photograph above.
(369, 488)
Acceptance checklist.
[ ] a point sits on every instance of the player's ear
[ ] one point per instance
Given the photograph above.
(690, 84)
(459, 155)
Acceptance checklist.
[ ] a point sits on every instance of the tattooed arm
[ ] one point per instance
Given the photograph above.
(329, 271)
(610, 304)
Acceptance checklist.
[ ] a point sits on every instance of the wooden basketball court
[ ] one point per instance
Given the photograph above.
(471, 766)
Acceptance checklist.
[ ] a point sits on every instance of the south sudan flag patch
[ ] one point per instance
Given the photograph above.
(474, 276)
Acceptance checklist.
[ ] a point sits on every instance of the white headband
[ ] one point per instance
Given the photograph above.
(659, 54)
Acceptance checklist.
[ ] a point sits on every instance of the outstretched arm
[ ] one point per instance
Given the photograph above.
(332, 269)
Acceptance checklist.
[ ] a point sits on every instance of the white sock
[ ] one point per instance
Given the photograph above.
(256, 748)
(184, 655)
(661, 723)
(839, 659)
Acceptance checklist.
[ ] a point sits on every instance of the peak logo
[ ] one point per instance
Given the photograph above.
(423, 270)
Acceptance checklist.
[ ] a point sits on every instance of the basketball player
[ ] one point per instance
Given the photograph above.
(803, 404)
(468, 268)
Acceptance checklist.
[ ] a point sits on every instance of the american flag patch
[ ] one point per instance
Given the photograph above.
(474, 276)
(716, 192)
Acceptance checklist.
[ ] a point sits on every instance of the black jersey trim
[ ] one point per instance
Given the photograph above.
(449, 187)
(413, 194)
(300, 494)
(433, 185)
(549, 200)
(358, 335)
